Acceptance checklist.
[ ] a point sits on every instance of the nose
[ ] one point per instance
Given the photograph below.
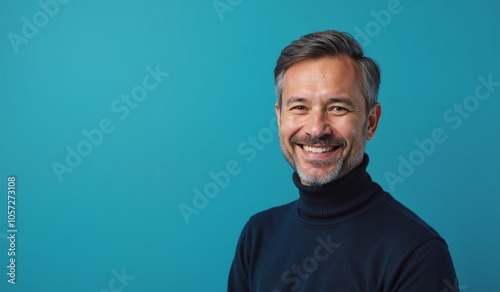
(317, 124)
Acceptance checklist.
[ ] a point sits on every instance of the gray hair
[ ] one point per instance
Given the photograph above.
(329, 43)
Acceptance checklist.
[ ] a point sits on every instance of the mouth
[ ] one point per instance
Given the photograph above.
(319, 149)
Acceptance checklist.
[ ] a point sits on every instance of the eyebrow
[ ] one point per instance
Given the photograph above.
(343, 100)
(295, 100)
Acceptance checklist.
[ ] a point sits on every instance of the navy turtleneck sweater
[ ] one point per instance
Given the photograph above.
(348, 235)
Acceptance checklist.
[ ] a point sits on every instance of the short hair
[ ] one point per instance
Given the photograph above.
(330, 43)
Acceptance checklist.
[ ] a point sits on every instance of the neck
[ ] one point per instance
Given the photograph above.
(339, 199)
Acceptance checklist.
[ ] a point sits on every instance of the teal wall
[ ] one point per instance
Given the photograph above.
(116, 115)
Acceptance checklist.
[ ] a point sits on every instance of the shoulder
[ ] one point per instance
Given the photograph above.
(271, 219)
(407, 217)
(399, 227)
(272, 214)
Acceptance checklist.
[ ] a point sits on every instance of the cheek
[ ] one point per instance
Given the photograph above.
(349, 128)
(290, 125)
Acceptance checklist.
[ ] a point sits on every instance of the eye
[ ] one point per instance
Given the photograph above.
(298, 108)
(338, 110)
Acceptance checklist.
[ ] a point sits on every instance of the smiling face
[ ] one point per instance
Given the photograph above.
(323, 120)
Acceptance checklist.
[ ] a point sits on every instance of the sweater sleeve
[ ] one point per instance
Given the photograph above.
(238, 274)
(428, 268)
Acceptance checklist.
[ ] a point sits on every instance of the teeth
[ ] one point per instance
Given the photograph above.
(318, 149)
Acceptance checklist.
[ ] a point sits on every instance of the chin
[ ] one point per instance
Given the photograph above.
(318, 177)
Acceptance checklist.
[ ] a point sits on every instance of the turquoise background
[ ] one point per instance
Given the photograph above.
(118, 210)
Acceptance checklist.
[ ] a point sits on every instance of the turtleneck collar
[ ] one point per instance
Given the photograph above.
(339, 200)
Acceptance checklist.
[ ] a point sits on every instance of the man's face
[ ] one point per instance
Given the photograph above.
(323, 120)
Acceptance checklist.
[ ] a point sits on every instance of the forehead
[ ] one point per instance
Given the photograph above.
(324, 76)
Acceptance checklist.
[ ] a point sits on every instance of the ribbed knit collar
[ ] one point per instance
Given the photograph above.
(339, 200)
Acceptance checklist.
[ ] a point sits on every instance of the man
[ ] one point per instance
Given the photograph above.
(344, 233)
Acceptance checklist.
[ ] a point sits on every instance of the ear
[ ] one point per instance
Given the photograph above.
(372, 122)
(278, 114)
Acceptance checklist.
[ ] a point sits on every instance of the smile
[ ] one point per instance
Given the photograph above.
(323, 149)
